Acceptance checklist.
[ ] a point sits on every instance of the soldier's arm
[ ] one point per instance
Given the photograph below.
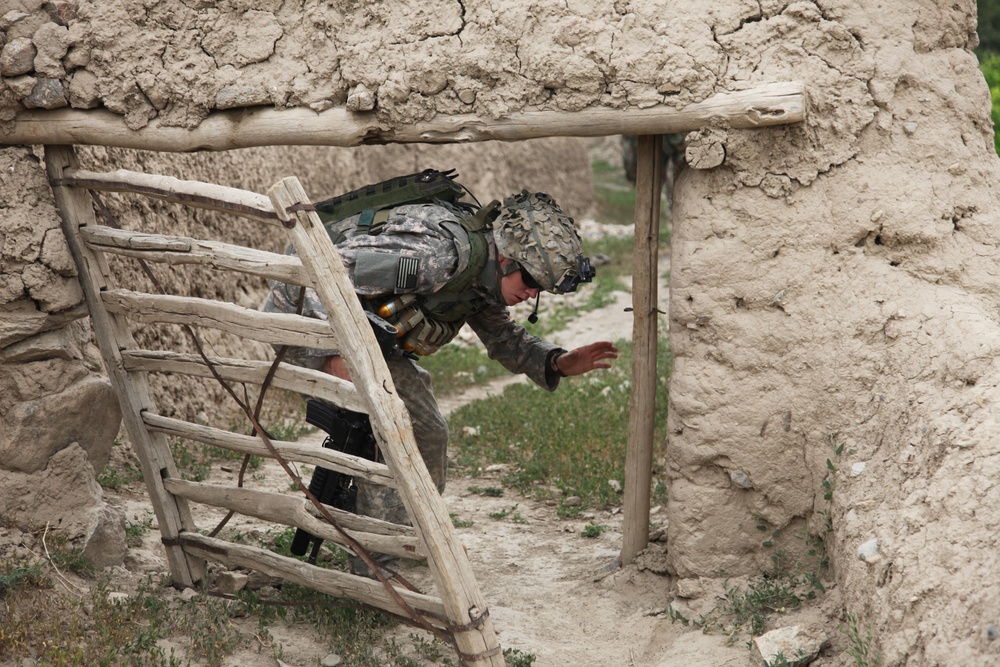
(514, 348)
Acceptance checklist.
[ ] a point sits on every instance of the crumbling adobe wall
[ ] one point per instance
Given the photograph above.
(842, 296)
(832, 282)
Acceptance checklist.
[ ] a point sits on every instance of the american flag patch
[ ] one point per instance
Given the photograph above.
(406, 273)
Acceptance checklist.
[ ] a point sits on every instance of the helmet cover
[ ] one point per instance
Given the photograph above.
(534, 232)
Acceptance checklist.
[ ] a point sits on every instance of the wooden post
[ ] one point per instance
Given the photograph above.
(642, 408)
(173, 515)
(475, 636)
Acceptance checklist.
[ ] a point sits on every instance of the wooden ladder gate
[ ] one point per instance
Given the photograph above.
(459, 613)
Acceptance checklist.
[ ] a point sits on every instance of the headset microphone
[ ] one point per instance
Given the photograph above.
(534, 314)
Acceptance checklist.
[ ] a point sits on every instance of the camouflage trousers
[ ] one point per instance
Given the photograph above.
(430, 431)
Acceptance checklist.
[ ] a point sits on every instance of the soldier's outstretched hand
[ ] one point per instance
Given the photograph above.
(587, 358)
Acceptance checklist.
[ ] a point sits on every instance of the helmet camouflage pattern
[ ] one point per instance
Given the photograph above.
(534, 232)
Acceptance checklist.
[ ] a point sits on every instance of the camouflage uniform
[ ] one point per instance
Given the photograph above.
(406, 235)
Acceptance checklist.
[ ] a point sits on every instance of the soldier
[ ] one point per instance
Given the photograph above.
(428, 271)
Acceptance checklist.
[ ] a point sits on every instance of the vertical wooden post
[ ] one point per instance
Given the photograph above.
(475, 636)
(639, 458)
(172, 513)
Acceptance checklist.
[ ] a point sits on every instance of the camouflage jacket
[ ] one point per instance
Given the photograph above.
(436, 260)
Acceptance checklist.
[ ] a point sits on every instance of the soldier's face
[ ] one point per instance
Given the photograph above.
(514, 290)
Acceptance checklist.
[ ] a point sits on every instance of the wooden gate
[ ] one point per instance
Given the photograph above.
(457, 612)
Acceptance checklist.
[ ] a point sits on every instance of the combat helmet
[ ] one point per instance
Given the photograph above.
(534, 232)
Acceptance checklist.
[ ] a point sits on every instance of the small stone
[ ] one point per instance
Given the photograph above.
(10, 18)
(799, 644)
(877, 215)
(47, 94)
(858, 468)
(230, 583)
(331, 660)
(467, 96)
(360, 99)
(573, 501)
(17, 57)
(188, 594)
(690, 589)
(868, 552)
(52, 42)
(61, 12)
(321, 105)
(910, 127)
(740, 478)
(992, 632)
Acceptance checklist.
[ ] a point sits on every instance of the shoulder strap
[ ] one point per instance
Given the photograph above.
(425, 186)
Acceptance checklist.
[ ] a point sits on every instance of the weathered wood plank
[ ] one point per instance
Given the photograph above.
(765, 105)
(173, 515)
(291, 511)
(290, 451)
(642, 407)
(331, 582)
(273, 328)
(167, 188)
(390, 421)
(293, 378)
(174, 250)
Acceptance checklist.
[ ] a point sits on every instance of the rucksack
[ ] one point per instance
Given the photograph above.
(373, 203)
(366, 210)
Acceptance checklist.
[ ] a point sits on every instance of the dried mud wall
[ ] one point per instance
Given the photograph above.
(833, 285)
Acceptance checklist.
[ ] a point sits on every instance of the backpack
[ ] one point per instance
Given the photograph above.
(372, 204)
(431, 320)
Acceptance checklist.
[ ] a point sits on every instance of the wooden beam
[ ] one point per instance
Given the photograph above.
(331, 582)
(290, 511)
(293, 378)
(315, 455)
(174, 250)
(273, 328)
(167, 188)
(642, 408)
(291, 451)
(173, 515)
(465, 606)
(764, 105)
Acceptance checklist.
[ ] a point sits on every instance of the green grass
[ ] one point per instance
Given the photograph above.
(455, 368)
(615, 198)
(861, 651)
(568, 443)
(593, 530)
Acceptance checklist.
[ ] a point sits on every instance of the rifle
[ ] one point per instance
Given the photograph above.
(348, 432)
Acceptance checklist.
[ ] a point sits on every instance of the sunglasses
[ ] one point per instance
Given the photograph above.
(529, 280)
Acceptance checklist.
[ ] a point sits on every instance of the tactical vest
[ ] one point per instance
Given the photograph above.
(424, 322)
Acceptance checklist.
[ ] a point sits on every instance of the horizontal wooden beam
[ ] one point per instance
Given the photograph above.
(191, 193)
(293, 378)
(316, 455)
(331, 582)
(291, 511)
(768, 104)
(174, 250)
(273, 328)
